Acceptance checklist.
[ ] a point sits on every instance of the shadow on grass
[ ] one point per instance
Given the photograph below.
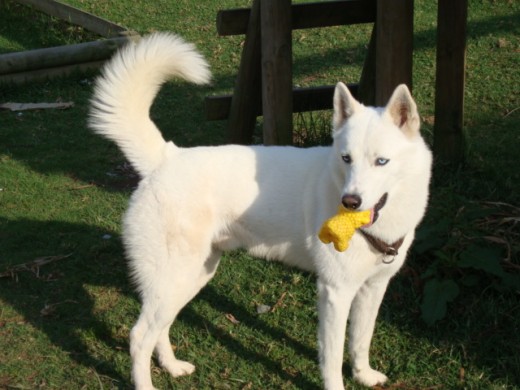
(59, 299)
(475, 343)
(84, 306)
(225, 304)
(59, 141)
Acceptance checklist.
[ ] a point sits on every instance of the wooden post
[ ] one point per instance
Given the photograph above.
(247, 95)
(367, 82)
(276, 71)
(448, 139)
(394, 47)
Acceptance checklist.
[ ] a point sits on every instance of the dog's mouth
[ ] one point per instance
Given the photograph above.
(378, 206)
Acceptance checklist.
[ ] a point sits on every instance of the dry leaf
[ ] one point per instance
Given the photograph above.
(231, 318)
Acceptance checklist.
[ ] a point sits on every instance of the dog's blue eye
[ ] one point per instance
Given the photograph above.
(346, 158)
(381, 161)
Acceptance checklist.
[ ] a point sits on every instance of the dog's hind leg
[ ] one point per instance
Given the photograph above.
(362, 321)
(170, 292)
(163, 348)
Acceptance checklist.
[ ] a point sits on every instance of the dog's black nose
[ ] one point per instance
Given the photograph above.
(351, 201)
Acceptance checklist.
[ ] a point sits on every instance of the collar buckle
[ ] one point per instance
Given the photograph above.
(389, 251)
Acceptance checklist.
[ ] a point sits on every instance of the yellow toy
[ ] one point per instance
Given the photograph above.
(341, 227)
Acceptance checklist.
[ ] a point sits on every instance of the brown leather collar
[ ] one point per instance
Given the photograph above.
(389, 250)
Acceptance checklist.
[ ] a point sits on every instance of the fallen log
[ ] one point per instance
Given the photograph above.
(59, 56)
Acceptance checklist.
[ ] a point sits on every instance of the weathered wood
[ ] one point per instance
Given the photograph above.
(49, 73)
(304, 99)
(59, 56)
(367, 82)
(394, 47)
(306, 15)
(247, 95)
(275, 16)
(76, 16)
(317, 98)
(448, 140)
(217, 107)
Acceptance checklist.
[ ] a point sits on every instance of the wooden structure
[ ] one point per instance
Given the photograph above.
(264, 82)
(448, 141)
(29, 65)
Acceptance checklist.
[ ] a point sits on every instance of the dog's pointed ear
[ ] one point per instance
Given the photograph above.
(344, 105)
(402, 110)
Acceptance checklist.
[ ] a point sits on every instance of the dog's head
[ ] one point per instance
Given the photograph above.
(379, 155)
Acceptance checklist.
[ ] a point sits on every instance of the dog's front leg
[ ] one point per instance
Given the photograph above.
(362, 321)
(333, 307)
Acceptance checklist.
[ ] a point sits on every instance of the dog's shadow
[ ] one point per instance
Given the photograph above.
(72, 300)
(223, 304)
(59, 296)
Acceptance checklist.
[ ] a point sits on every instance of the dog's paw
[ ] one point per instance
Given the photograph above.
(369, 377)
(179, 368)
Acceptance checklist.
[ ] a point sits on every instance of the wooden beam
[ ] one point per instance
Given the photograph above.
(304, 99)
(394, 47)
(59, 56)
(448, 140)
(275, 17)
(49, 73)
(75, 16)
(247, 95)
(306, 15)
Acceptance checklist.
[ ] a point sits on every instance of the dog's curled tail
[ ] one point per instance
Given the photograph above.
(127, 87)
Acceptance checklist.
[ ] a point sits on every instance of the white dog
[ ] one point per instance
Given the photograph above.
(194, 203)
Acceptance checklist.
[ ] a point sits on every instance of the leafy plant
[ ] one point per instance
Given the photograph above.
(478, 249)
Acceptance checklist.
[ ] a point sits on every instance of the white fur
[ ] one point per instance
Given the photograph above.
(195, 203)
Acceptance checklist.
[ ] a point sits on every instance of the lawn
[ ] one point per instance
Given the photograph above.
(66, 316)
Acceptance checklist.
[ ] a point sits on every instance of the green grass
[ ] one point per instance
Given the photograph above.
(63, 191)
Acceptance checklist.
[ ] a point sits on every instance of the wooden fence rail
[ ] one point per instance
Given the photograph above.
(218, 107)
(307, 15)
